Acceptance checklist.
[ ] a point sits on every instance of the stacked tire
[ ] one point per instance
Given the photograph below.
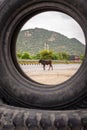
(39, 106)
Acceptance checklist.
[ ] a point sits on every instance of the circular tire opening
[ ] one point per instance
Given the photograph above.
(50, 47)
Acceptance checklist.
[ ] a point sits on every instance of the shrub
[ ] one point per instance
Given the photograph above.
(26, 55)
(19, 55)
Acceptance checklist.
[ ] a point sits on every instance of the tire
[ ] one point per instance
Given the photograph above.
(12, 118)
(15, 87)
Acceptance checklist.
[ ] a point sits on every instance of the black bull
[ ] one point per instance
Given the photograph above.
(46, 62)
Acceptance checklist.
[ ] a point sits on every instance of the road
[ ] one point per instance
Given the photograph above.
(31, 68)
(59, 74)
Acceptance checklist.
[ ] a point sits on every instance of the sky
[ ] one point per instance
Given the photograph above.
(58, 22)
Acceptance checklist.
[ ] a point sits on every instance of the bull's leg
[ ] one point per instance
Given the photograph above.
(52, 67)
(43, 67)
(49, 67)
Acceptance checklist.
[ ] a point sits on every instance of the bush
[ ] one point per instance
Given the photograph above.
(19, 55)
(26, 55)
(46, 54)
(36, 57)
(82, 57)
(62, 56)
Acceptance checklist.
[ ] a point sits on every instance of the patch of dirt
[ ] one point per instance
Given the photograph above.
(52, 77)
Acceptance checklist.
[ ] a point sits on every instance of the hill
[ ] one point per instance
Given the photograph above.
(35, 40)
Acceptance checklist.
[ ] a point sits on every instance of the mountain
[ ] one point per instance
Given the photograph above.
(35, 40)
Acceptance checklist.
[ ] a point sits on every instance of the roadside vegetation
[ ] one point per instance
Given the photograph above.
(45, 54)
(58, 58)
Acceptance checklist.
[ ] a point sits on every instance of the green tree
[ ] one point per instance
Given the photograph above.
(36, 57)
(59, 55)
(82, 57)
(26, 55)
(63, 56)
(19, 55)
(46, 54)
(54, 56)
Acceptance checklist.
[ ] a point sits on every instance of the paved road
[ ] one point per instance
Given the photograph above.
(59, 74)
(32, 68)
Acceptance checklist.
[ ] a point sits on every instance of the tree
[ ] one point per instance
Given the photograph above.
(82, 57)
(19, 54)
(63, 56)
(60, 57)
(46, 54)
(36, 57)
(54, 56)
(26, 55)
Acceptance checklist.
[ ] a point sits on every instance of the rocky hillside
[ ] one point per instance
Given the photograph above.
(34, 40)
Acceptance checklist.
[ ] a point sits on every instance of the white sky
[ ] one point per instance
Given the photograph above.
(58, 22)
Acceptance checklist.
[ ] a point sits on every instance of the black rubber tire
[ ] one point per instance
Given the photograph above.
(12, 118)
(15, 87)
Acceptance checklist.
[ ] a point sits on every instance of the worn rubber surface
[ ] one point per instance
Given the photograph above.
(12, 118)
(15, 87)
